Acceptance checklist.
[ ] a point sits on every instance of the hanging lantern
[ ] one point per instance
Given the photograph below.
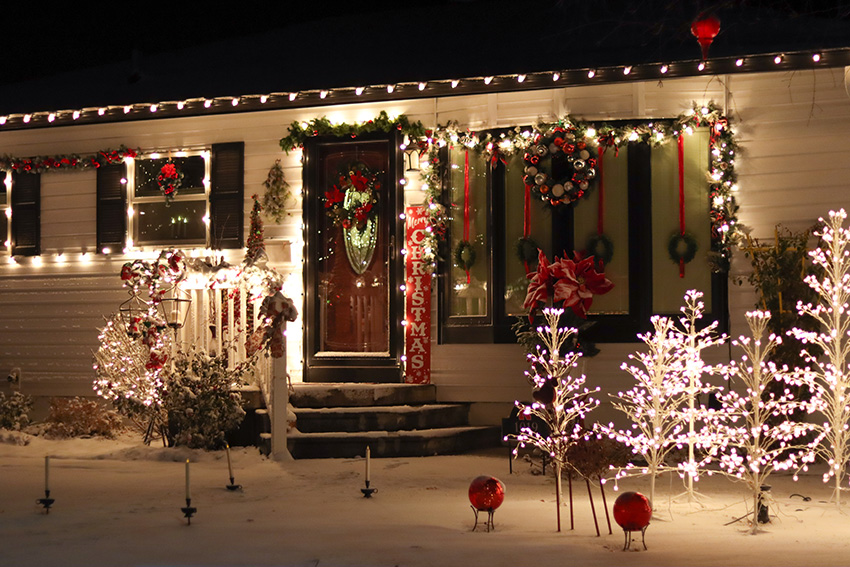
(174, 306)
(132, 311)
(411, 155)
(705, 29)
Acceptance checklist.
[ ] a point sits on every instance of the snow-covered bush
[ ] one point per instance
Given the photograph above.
(14, 411)
(78, 417)
(200, 399)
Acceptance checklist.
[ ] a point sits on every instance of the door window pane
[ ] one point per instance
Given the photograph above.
(469, 210)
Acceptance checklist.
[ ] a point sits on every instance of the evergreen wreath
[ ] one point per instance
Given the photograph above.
(464, 255)
(559, 147)
(682, 247)
(601, 248)
(527, 250)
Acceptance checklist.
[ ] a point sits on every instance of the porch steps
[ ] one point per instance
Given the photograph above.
(394, 420)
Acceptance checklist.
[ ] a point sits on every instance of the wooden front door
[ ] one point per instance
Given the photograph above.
(352, 271)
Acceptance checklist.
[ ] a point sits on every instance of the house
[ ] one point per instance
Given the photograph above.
(221, 111)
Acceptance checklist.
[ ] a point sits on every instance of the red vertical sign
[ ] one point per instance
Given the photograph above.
(417, 332)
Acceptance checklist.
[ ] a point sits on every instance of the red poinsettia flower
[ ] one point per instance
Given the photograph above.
(538, 288)
(359, 180)
(590, 283)
(333, 196)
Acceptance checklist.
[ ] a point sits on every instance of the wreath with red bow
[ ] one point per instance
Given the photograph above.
(169, 180)
(353, 199)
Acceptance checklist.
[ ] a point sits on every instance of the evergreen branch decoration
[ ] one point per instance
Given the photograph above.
(66, 162)
(277, 193)
(299, 132)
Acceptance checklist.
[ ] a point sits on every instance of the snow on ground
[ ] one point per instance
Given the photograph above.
(118, 503)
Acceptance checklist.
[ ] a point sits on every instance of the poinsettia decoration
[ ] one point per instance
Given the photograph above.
(565, 283)
(169, 180)
(353, 199)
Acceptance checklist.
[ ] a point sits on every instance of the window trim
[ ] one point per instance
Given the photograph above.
(6, 211)
(132, 200)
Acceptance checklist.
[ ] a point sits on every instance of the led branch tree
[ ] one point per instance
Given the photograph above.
(561, 400)
(653, 404)
(691, 342)
(752, 434)
(829, 375)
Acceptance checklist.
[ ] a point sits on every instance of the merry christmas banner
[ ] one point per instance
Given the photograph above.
(417, 332)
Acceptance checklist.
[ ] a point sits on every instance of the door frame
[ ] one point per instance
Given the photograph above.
(342, 368)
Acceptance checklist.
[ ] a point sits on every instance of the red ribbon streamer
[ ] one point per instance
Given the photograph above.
(600, 222)
(466, 204)
(681, 143)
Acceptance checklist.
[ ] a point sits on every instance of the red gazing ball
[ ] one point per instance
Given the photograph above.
(632, 511)
(486, 493)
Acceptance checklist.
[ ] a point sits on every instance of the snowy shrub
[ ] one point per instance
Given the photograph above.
(14, 410)
(78, 417)
(200, 401)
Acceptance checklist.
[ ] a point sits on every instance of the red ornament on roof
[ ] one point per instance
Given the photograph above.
(705, 29)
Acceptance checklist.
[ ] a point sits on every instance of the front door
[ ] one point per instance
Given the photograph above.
(352, 270)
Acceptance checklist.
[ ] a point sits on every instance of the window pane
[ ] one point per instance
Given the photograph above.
(181, 222)
(539, 236)
(469, 290)
(147, 171)
(615, 226)
(668, 287)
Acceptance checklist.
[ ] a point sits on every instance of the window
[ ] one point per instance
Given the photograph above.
(207, 210)
(637, 212)
(153, 220)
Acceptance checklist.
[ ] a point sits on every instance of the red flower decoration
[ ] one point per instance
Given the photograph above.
(571, 283)
(333, 196)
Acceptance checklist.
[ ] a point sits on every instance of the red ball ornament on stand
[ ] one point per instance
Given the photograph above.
(705, 29)
(632, 512)
(486, 493)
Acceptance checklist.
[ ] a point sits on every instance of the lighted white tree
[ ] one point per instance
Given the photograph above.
(692, 341)
(561, 400)
(829, 375)
(752, 434)
(653, 404)
(128, 367)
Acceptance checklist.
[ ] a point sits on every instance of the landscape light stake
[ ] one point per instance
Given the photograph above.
(188, 511)
(232, 486)
(46, 502)
(367, 492)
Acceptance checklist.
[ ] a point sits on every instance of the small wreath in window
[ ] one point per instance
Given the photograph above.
(464, 255)
(559, 149)
(527, 250)
(169, 179)
(682, 247)
(601, 248)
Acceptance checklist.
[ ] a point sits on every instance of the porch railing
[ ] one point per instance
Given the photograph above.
(227, 316)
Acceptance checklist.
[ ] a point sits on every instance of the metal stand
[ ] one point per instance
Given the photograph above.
(367, 492)
(46, 502)
(232, 486)
(188, 511)
(763, 516)
(489, 523)
(629, 538)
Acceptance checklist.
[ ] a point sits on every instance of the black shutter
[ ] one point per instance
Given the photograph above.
(227, 195)
(26, 214)
(111, 207)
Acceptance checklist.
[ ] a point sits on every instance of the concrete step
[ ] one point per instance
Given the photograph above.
(381, 418)
(421, 443)
(322, 395)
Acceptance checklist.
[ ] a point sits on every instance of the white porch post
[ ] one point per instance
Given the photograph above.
(279, 402)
